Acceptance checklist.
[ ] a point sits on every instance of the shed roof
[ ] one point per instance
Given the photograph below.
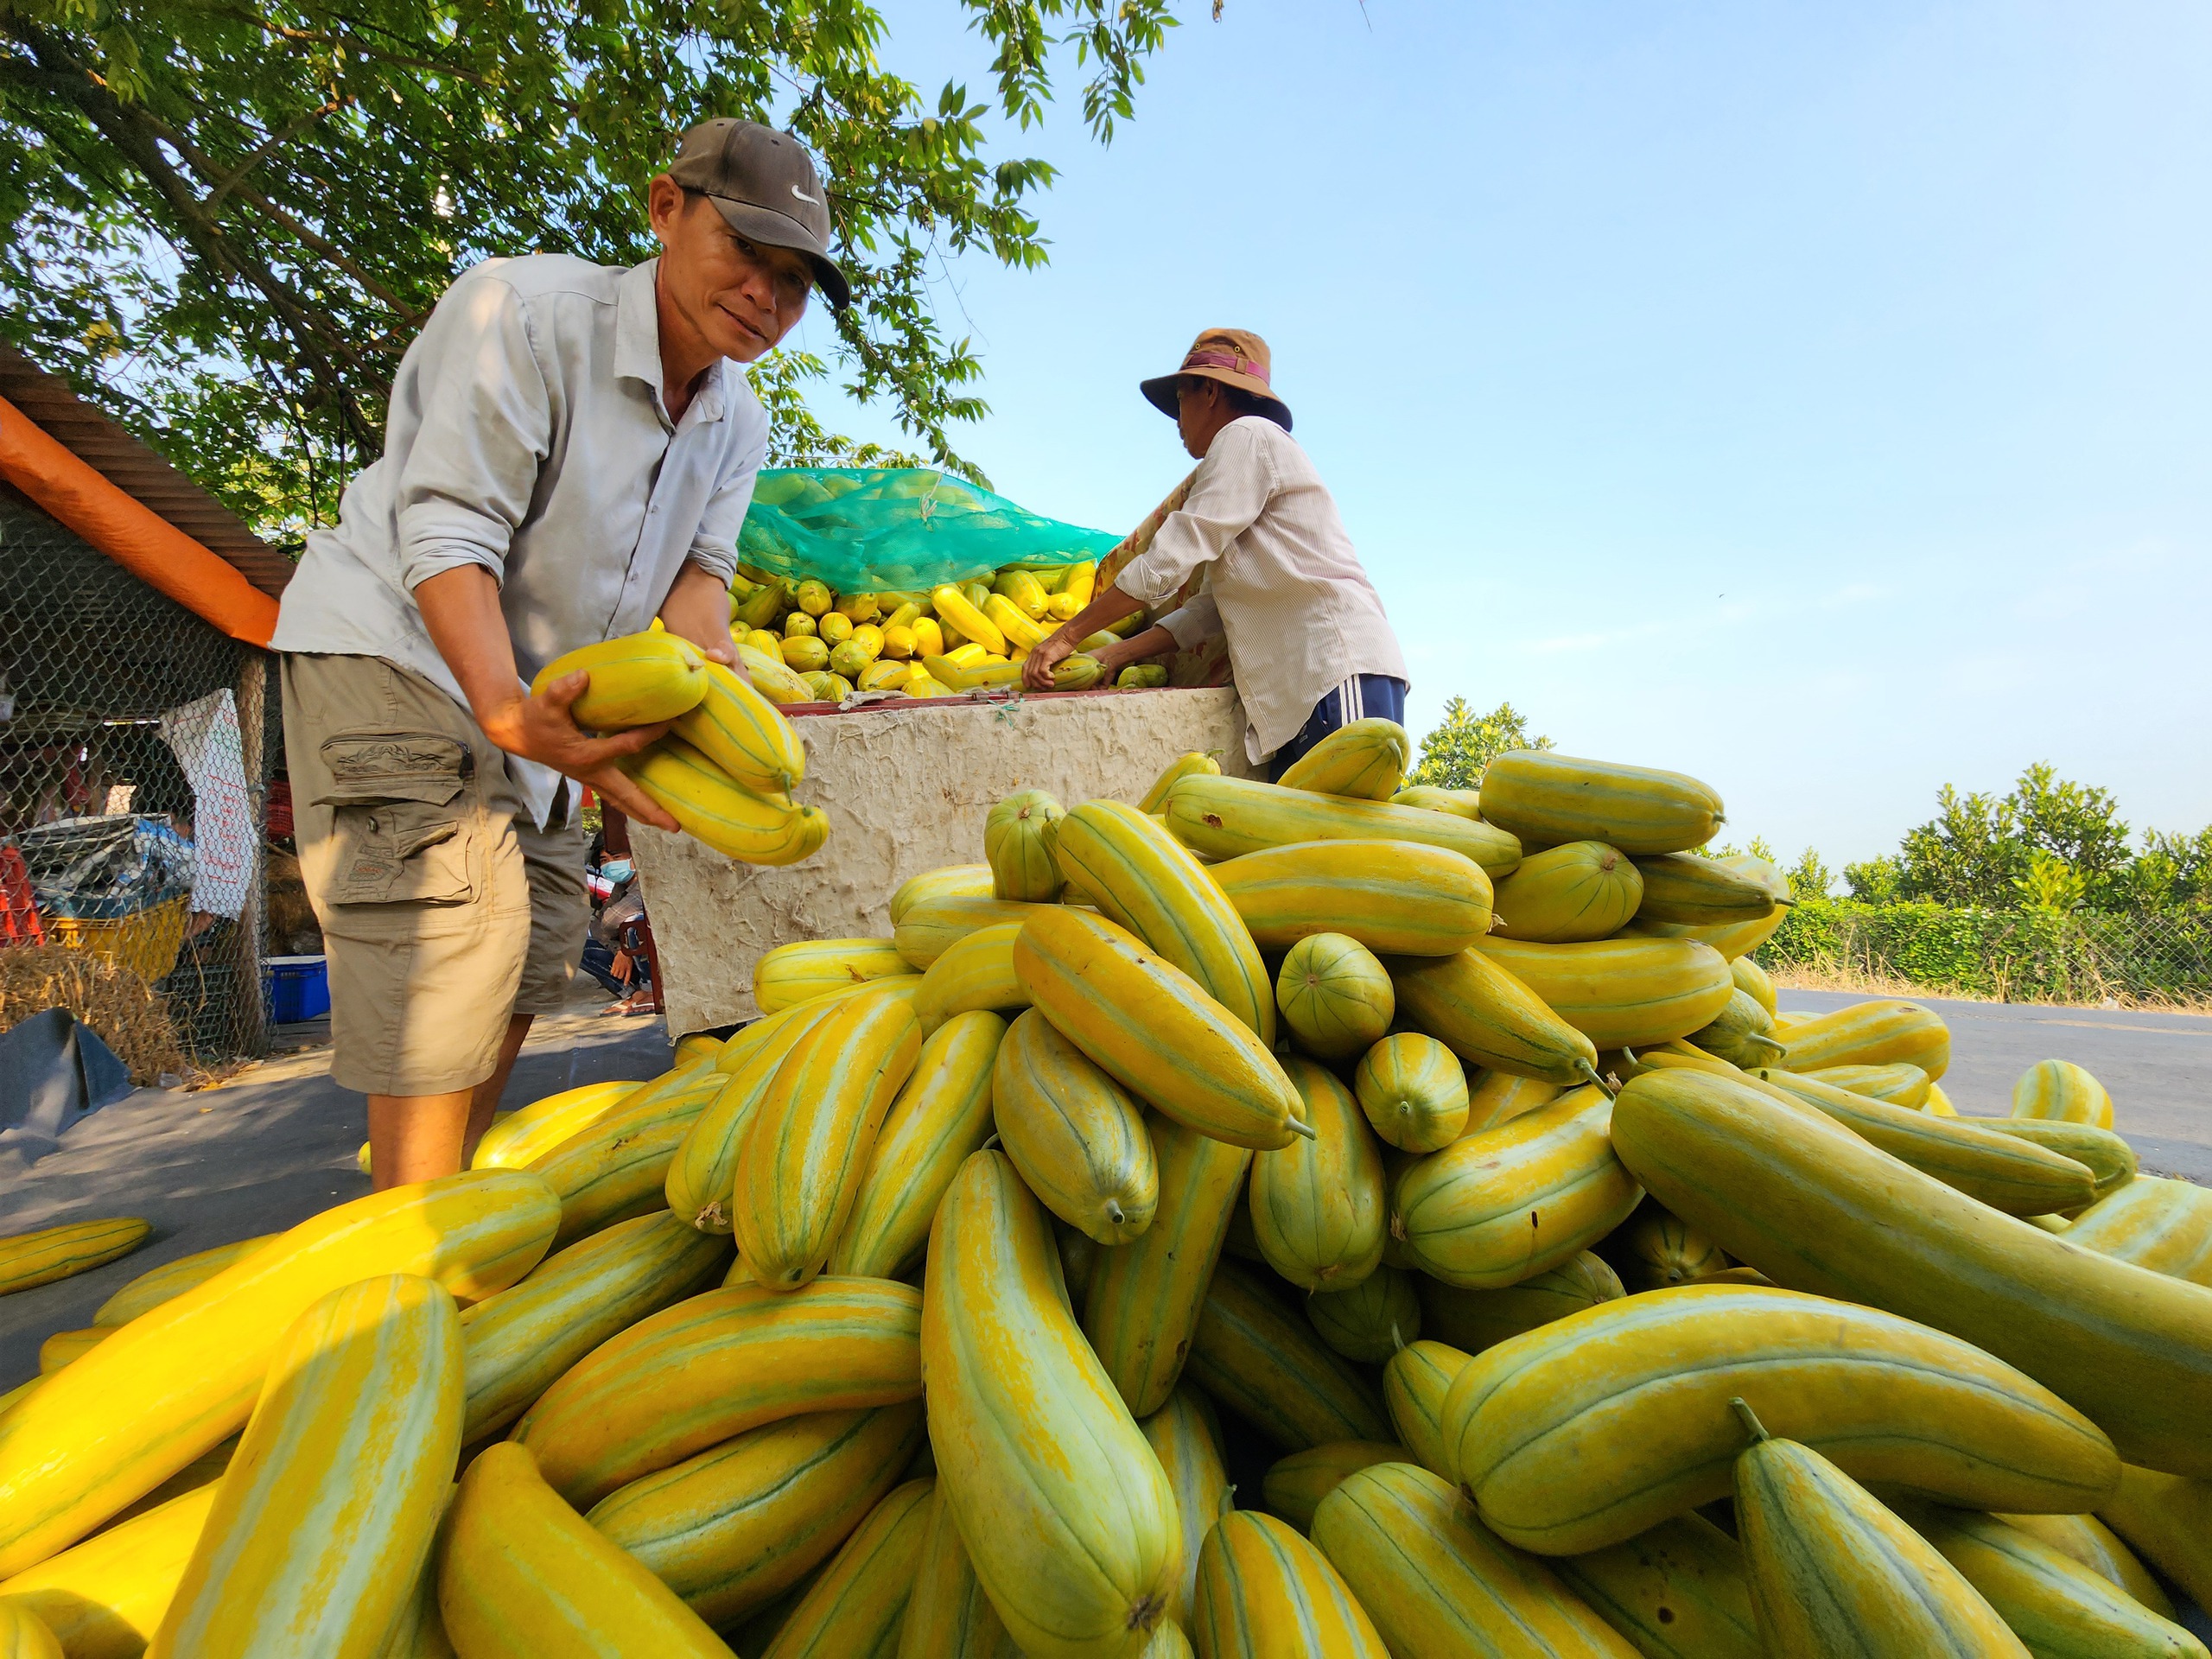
(104, 445)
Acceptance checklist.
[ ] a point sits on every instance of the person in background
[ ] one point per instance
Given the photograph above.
(1310, 646)
(569, 454)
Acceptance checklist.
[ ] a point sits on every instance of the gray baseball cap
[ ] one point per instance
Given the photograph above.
(765, 187)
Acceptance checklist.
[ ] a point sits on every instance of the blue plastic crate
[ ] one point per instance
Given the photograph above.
(299, 989)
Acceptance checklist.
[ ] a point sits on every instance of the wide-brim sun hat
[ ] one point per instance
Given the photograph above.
(764, 185)
(1235, 357)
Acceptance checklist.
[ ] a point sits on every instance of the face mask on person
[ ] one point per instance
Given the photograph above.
(616, 870)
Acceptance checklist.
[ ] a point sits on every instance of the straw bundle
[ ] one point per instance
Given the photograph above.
(114, 1001)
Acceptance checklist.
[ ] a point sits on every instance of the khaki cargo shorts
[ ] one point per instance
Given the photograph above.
(444, 911)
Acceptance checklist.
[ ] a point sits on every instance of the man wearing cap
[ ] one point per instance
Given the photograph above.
(569, 454)
(1309, 644)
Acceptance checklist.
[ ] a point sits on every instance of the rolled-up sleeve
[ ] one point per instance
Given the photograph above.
(486, 422)
(715, 547)
(1195, 623)
(1228, 491)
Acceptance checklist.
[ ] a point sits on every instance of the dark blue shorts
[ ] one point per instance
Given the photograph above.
(1364, 696)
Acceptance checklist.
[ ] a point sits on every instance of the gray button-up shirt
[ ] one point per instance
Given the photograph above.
(526, 433)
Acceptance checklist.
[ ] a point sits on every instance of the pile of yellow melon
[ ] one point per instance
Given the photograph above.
(1434, 1160)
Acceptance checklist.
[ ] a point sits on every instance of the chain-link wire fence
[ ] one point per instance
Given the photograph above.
(134, 757)
(2137, 958)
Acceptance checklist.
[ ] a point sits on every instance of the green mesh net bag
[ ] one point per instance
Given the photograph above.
(864, 530)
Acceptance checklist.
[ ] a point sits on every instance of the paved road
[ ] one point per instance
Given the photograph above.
(261, 1153)
(2157, 1066)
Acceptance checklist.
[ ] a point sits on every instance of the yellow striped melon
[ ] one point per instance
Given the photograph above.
(941, 1115)
(2106, 1157)
(1585, 1432)
(1296, 1484)
(1263, 1589)
(1367, 1322)
(1416, 1381)
(1364, 760)
(177, 1381)
(1226, 817)
(735, 1526)
(2089, 1542)
(1897, 1082)
(1676, 1592)
(1832, 1570)
(521, 1576)
(1334, 996)
(1743, 1034)
(1019, 834)
(1069, 1519)
(1814, 1207)
(1507, 1204)
(700, 1176)
(1496, 1097)
(517, 1139)
(2052, 1602)
(2168, 1519)
(716, 1366)
(1318, 1207)
(1266, 1364)
(1142, 878)
(2062, 1092)
(322, 1523)
(172, 1279)
(1153, 1028)
(975, 973)
(63, 1346)
(798, 972)
(1753, 981)
(1438, 1582)
(1464, 803)
(1476, 1319)
(718, 812)
(744, 733)
(953, 882)
(857, 1604)
(1656, 1249)
(1701, 892)
(1183, 1437)
(23, 1635)
(1547, 799)
(2015, 1176)
(800, 1166)
(52, 1253)
(1872, 1033)
(618, 1167)
(105, 1598)
(931, 925)
(1397, 898)
(2155, 1222)
(948, 1616)
(1182, 767)
(1141, 1306)
(638, 679)
(1483, 1014)
(516, 1345)
(1622, 992)
(1078, 1141)
(1413, 1090)
(1584, 890)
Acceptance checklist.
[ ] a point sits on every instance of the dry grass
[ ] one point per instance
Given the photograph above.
(114, 1001)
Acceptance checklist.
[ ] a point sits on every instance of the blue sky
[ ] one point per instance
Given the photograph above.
(1817, 399)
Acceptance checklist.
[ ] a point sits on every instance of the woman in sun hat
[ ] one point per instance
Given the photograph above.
(1310, 648)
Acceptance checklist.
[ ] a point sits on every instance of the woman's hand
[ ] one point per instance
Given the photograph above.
(1036, 667)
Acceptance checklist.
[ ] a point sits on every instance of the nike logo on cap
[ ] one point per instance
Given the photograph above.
(803, 197)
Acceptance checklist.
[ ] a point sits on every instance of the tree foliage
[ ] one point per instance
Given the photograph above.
(227, 218)
(2049, 844)
(1460, 744)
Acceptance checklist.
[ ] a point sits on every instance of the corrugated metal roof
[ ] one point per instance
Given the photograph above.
(97, 440)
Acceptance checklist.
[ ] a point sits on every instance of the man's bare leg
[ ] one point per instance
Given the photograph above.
(420, 1137)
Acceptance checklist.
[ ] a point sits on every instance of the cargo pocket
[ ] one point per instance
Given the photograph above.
(403, 833)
